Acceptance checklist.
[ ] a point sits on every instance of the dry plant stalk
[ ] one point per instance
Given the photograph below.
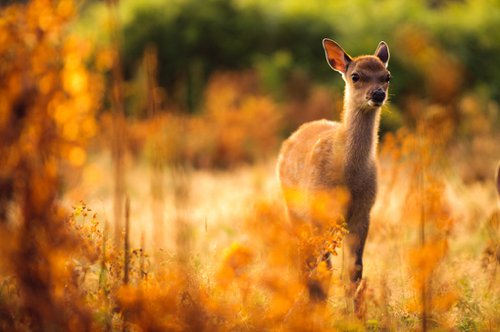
(424, 296)
(497, 177)
(118, 123)
(157, 163)
(126, 243)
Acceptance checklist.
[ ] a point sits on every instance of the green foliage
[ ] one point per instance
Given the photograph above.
(273, 70)
(213, 35)
(203, 37)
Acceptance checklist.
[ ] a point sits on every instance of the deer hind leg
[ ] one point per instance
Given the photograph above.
(321, 210)
(306, 261)
(318, 276)
(324, 214)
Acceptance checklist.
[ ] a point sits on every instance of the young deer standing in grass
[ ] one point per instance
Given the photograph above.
(322, 157)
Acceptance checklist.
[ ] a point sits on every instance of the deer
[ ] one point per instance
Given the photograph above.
(324, 156)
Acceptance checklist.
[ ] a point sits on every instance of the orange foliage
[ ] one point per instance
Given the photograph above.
(47, 110)
(237, 125)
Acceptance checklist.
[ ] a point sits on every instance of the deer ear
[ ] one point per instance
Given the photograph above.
(382, 52)
(335, 55)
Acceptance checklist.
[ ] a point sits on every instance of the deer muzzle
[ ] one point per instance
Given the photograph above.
(378, 97)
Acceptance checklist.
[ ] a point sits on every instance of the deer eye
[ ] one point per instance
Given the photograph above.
(355, 77)
(388, 78)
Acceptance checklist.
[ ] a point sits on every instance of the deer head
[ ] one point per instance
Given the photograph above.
(367, 78)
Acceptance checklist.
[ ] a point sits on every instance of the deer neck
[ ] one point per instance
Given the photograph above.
(361, 129)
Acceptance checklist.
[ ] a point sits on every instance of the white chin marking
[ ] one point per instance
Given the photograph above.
(371, 103)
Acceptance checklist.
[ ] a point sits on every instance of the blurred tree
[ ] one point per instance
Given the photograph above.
(203, 37)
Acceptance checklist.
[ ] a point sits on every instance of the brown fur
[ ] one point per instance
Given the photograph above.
(325, 156)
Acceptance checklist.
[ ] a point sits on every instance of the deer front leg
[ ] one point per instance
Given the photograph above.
(355, 286)
(354, 244)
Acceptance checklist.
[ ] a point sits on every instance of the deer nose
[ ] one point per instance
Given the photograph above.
(378, 96)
